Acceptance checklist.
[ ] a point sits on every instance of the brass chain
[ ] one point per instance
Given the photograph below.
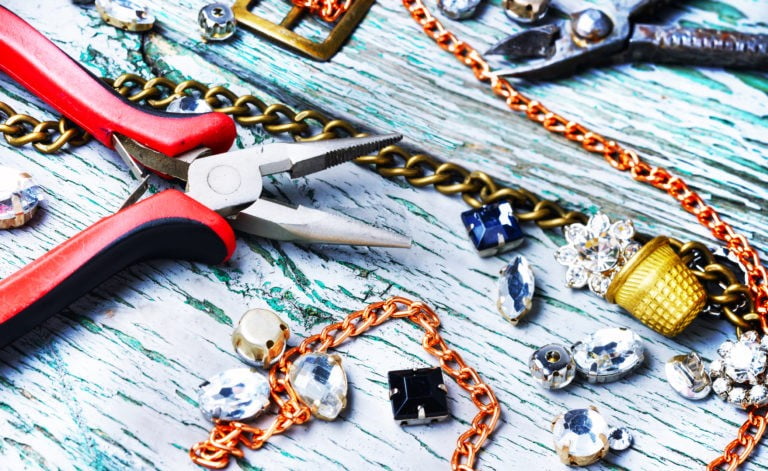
(420, 170)
(226, 437)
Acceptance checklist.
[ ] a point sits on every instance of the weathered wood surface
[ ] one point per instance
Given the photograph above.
(109, 383)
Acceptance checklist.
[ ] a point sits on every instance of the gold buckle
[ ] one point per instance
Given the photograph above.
(282, 33)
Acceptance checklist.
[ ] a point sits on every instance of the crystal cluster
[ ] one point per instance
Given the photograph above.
(516, 286)
(19, 198)
(739, 375)
(236, 394)
(320, 382)
(581, 436)
(596, 252)
(608, 354)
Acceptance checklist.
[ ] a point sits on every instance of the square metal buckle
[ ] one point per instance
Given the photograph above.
(283, 33)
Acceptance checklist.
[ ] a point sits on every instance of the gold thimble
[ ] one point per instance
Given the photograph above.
(658, 288)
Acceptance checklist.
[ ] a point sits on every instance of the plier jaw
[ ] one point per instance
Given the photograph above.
(231, 185)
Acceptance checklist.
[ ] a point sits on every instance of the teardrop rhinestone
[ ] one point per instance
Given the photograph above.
(609, 354)
(516, 287)
(237, 394)
(321, 383)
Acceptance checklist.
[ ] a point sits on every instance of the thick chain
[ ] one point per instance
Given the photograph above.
(420, 170)
(617, 156)
(623, 160)
(328, 10)
(226, 438)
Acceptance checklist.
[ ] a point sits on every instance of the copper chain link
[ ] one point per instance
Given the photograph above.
(623, 160)
(328, 10)
(420, 170)
(226, 438)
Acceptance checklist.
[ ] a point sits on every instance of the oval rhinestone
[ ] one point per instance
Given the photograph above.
(581, 436)
(516, 287)
(609, 354)
(236, 394)
(321, 383)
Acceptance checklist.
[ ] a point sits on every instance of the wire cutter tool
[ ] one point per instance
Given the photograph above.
(608, 33)
(223, 188)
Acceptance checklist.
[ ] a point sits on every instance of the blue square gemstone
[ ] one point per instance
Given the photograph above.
(493, 228)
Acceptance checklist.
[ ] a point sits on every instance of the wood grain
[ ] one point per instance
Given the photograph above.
(109, 383)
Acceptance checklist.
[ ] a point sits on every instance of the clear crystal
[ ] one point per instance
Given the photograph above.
(127, 14)
(687, 376)
(721, 386)
(619, 438)
(581, 436)
(516, 287)
(749, 336)
(598, 283)
(189, 105)
(608, 354)
(458, 9)
(623, 230)
(320, 382)
(575, 233)
(576, 276)
(716, 367)
(737, 395)
(745, 361)
(598, 225)
(758, 395)
(566, 255)
(724, 348)
(19, 197)
(237, 394)
(631, 249)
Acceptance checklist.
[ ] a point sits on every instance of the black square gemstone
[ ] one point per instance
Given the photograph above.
(418, 396)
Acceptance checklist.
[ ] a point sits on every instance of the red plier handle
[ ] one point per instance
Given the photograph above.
(38, 64)
(167, 225)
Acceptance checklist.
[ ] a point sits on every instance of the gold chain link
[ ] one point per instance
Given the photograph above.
(226, 438)
(420, 170)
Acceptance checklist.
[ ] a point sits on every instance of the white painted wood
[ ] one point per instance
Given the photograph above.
(107, 384)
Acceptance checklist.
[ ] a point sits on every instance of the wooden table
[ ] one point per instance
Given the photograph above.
(110, 382)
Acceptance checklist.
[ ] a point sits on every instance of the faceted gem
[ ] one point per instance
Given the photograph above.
(581, 436)
(260, 337)
(458, 9)
(493, 228)
(552, 366)
(321, 383)
(418, 396)
(576, 233)
(598, 283)
(516, 286)
(189, 105)
(716, 367)
(19, 198)
(217, 22)
(745, 361)
(721, 386)
(687, 376)
(526, 11)
(234, 395)
(129, 15)
(608, 354)
(631, 249)
(619, 438)
(758, 395)
(737, 395)
(576, 276)
(623, 230)
(566, 255)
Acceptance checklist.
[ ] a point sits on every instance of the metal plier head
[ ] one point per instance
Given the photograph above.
(605, 31)
(231, 184)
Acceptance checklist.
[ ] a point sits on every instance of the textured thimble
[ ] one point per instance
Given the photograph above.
(658, 288)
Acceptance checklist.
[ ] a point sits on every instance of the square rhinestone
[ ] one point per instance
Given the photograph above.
(418, 396)
(493, 228)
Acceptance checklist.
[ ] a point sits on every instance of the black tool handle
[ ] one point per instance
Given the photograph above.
(698, 46)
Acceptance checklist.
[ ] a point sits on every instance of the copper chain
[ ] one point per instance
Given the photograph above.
(420, 170)
(328, 10)
(475, 187)
(227, 437)
(749, 435)
(623, 160)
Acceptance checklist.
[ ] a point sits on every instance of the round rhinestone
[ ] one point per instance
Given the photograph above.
(721, 387)
(19, 198)
(260, 337)
(575, 233)
(608, 354)
(737, 395)
(749, 336)
(217, 22)
(599, 283)
(716, 367)
(598, 225)
(758, 395)
(552, 366)
(623, 230)
(725, 347)
(745, 361)
(619, 438)
(576, 276)
(458, 9)
(566, 255)
(234, 395)
(189, 105)
(631, 249)
(581, 436)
